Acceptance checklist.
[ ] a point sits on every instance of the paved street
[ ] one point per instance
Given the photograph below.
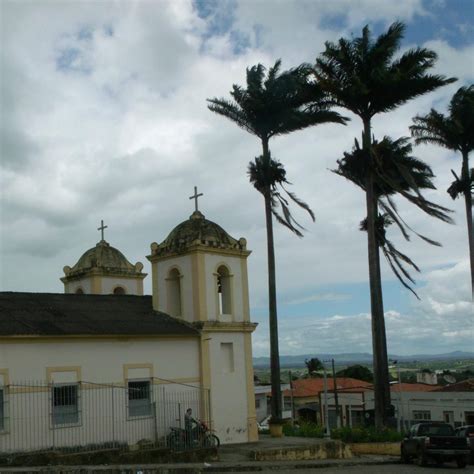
(380, 469)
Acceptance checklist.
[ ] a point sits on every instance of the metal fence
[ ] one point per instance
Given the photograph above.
(38, 416)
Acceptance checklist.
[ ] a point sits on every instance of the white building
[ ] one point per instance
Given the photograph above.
(412, 402)
(104, 364)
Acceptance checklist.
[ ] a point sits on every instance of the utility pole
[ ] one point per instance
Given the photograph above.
(336, 399)
(327, 431)
(291, 394)
(399, 408)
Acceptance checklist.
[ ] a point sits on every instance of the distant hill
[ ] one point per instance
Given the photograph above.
(357, 358)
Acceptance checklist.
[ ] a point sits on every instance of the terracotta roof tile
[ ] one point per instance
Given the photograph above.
(463, 386)
(313, 386)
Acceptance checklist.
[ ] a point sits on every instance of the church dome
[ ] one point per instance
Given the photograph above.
(106, 258)
(197, 230)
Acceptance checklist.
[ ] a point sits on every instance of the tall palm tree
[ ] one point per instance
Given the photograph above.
(454, 132)
(362, 75)
(396, 171)
(271, 106)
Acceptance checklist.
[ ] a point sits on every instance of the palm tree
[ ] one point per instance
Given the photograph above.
(454, 132)
(267, 107)
(396, 171)
(362, 76)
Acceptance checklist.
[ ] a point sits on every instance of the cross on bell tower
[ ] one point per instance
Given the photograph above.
(195, 197)
(102, 228)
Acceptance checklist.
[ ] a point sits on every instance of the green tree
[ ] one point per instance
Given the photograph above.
(357, 371)
(267, 107)
(395, 171)
(362, 75)
(313, 365)
(454, 132)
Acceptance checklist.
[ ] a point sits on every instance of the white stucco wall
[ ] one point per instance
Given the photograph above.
(101, 360)
(109, 284)
(102, 394)
(229, 393)
(163, 268)
(83, 283)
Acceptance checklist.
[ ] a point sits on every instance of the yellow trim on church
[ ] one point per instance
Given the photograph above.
(50, 371)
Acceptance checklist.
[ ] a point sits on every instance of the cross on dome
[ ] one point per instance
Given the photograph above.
(102, 228)
(195, 197)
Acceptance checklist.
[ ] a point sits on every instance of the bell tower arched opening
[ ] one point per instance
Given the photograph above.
(224, 290)
(173, 283)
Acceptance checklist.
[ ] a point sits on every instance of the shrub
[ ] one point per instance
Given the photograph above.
(365, 435)
(305, 430)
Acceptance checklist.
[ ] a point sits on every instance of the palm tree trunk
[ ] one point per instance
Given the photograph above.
(468, 201)
(379, 342)
(276, 405)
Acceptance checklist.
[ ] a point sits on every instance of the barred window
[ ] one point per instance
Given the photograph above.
(139, 398)
(421, 415)
(65, 406)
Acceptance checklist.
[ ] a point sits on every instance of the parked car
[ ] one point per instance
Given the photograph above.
(434, 441)
(263, 425)
(468, 432)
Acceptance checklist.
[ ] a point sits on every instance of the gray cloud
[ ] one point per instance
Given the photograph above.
(128, 140)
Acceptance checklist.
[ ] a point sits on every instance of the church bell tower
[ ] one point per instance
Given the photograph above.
(199, 274)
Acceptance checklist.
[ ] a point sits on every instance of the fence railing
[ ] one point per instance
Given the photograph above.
(70, 417)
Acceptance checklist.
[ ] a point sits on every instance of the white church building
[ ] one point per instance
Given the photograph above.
(105, 364)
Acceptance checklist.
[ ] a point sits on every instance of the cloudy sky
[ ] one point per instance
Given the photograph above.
(103, 116)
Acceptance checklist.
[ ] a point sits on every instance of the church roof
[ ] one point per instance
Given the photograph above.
(197, 230)
(48, 314)
(106, 258)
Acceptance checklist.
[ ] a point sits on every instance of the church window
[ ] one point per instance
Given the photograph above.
(174, 293)
(224, 290)
(119, 290)
(227, 357)
(139, 398)
(65, 406)
(79, 291)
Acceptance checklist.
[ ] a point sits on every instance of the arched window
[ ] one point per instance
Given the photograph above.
(174, 293)
(79, 291)
(224, 290)
(119, 290)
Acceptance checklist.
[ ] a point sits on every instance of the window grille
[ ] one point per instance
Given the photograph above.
(65, 406)
(139, 398)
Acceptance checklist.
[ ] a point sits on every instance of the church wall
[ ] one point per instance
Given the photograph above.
(96, 363)
(101, 360)
(183, 264)
(130, 285)
(230, 409)
(212, 262)
(83, 283)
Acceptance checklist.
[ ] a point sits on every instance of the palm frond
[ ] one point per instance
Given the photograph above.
(268, 176)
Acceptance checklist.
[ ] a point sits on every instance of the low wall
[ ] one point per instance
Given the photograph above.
(391, 449)
(322, 450)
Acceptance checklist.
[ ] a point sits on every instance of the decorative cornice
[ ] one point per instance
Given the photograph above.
(219, 326)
